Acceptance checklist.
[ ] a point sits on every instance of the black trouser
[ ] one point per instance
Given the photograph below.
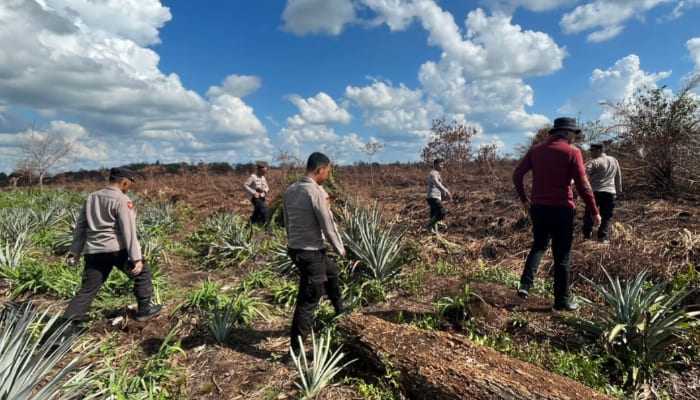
(606, 205)
(437, 211)
(557, 224)
(318, 274)
(260, 211)
(97, 270)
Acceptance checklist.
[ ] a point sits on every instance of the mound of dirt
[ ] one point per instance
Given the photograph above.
(442, 366)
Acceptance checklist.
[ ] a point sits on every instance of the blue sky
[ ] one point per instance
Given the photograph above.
(175, 80)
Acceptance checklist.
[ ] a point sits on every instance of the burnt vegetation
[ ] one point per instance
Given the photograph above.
(424, 307)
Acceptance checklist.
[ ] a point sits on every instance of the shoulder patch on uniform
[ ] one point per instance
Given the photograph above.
(130, 205)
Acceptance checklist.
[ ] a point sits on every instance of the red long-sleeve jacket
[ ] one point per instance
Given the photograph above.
(554, 164)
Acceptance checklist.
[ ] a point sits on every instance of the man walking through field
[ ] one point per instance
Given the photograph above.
(256, 187)
(106, 233)
(436, 191)
(554, 164)
(606, 180)
(308, 220)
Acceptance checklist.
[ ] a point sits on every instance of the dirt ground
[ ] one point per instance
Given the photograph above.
(485, 222)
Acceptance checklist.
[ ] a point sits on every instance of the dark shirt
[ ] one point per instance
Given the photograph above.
(554, 164)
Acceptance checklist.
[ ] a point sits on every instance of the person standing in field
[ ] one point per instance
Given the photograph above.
(256, 187)
(606, 180)
(554, 164)
(436, 191)
(308, 221)
(106, 233)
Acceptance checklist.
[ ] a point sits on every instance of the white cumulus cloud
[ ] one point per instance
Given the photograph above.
(320, 109)
(612, 85)
(318, 16)
(532, 5)
(606, 18)
(236, 86)
(694, 49)
(86, 61)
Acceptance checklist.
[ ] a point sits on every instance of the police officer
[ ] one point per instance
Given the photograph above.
(106, 234)
(308, 219)
(436, 191)
(256, 187)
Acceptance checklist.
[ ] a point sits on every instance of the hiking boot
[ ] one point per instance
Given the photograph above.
(523, 293)
(566, 306)
(147, 311)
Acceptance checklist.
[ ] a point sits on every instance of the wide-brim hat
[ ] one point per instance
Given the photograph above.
(565, 124)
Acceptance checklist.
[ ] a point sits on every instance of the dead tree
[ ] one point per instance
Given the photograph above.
(42, 152)
(659, 133)
(451, 141)
(371, 148)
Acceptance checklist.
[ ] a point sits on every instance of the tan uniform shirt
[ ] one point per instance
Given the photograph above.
(256, 184)
(435, 187)
(107, 223)
(604, 174)
(308, 218)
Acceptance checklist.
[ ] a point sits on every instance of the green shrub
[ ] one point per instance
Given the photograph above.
(280, 260)
(224, 240)
(151, 382)
(374, 245)
(34, 364)
(207, 297)
(241, 310)
(259, 279)
(16, 222)
(12, 253)
(638, 325)
(36, 277)
(221, 322)
(160, 216)
(457, 309)
(318, 373)
(285, 293)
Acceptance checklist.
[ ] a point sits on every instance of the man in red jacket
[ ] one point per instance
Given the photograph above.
(554, 164)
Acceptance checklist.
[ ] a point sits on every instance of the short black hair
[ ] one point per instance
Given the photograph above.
(317, 160)
(438, 161)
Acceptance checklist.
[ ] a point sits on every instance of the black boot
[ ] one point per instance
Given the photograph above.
(566, 305)
(147, 310)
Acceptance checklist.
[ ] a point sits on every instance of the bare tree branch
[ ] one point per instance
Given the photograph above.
(42, 152)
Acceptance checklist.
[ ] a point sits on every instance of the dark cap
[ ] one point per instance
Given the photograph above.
(597, 146)
(122, 173)
(261, 164)
(564, 124)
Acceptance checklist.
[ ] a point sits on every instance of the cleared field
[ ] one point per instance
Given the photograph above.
(210, 266)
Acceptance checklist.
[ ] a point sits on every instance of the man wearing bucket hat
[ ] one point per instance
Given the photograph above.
(256, 187)
(554, 164)
(106, 233)
(606, 181)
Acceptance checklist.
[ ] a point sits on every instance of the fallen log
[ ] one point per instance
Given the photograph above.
(442, 366)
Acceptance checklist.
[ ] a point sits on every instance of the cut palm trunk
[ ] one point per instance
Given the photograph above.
(441, 366)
